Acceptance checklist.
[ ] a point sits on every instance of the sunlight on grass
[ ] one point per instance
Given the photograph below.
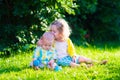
(17, 67)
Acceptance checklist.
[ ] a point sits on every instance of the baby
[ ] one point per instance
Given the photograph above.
(44, 54)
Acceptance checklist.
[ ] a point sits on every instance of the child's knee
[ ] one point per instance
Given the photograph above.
(74, 64)
(36, 63)
(82, 59)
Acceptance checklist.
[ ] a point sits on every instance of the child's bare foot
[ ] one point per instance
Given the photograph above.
(103, 62)
(36, 68)
(89, 65)
(72, 64)
(84, 65)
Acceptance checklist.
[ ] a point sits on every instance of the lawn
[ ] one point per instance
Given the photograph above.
(17, 67)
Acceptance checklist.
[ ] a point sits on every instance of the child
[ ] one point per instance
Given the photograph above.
(44, 54)
(64, 46)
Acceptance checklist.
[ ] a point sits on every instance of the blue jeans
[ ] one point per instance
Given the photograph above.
(65, 61)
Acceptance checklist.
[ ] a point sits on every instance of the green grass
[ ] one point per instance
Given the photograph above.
(17, 67)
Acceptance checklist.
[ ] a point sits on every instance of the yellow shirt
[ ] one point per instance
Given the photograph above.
(71, 48)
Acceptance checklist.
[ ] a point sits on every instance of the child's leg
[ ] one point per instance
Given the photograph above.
(72, 64)
(31, 64)
(82, 59)
(64, 61)
(56, 67)
(37, 64)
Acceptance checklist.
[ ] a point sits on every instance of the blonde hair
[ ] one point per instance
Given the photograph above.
(48, 36)
(62, 27)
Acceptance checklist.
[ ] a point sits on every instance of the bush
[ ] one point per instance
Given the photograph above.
(22, 22)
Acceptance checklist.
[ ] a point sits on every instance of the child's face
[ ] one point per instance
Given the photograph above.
(55, 32)
(47, 45)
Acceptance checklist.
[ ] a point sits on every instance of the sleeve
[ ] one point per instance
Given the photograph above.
(55, 54)
(36, 52)
(71, 48)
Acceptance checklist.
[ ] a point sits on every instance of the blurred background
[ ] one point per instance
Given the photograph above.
(22, 22)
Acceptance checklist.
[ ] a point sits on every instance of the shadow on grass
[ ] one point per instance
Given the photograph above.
(12, 69)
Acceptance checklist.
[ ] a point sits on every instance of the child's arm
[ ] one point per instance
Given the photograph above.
(71, 48)
(36, 53)
(51, 64)
(74, 58)
(52, 61)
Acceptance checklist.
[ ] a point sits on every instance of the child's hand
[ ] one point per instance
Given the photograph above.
(74, 59)
(50, 63)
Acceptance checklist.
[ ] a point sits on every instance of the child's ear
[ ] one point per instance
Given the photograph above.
(41, 38)
(40, 41)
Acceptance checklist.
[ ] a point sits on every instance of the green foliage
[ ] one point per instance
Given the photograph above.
(23, 22)
(104, 23)
(100, 20)
(86, 7)
(78, 22)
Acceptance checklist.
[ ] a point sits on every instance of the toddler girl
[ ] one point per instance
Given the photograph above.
(64, 46)
(45, 54)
